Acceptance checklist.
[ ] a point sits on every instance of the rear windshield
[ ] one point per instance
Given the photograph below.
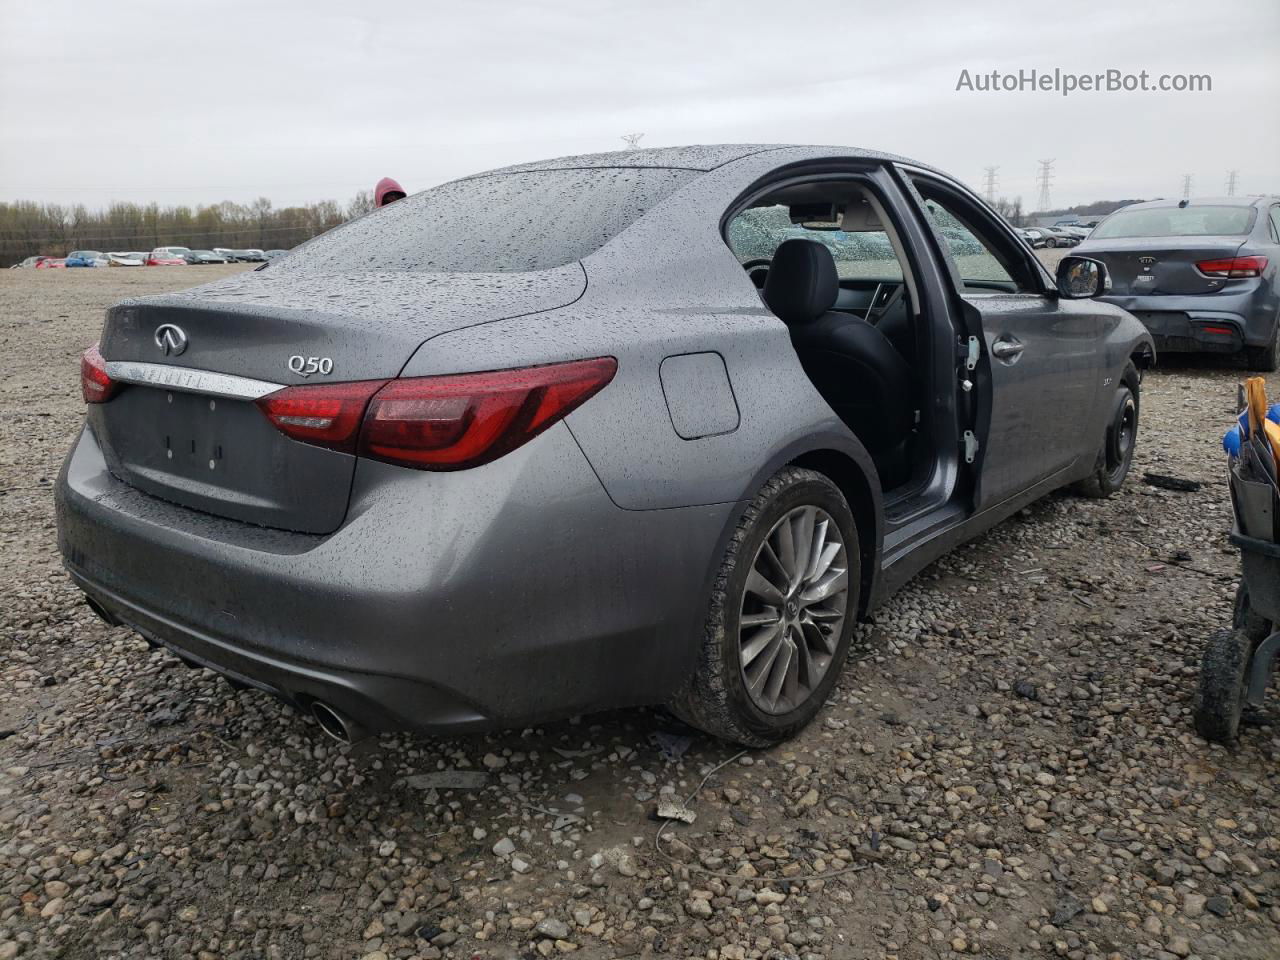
(499, 223)
(1176, 222)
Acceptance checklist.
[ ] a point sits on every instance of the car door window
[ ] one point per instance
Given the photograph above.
(1275, 224)
(983, 257)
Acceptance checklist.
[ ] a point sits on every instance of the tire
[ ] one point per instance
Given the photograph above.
(810, 626)
(1118, 442)
(1223, 675)
(1051, 243)
(1265, 358)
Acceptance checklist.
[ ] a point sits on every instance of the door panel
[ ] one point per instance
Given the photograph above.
(1038, 375)
(1042, 361)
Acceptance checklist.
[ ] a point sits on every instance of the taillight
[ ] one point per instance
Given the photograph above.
(449, 422)
(324, 414)
(1233, 268)
(464, 420)
(96, 386)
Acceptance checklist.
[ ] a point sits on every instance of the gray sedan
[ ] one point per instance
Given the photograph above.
(1201, 274)
(649, 427)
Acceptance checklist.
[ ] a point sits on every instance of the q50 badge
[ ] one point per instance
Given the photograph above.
(306, 366)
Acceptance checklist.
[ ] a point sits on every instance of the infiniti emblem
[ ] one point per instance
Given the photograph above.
(170, 339)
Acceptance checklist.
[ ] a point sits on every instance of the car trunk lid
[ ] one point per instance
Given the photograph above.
(1141, 266)
(187, 429)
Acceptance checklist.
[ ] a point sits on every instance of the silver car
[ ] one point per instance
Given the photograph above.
(649, 427)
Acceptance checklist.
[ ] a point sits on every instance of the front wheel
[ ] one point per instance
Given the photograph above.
(1118, 443)
(781, 614)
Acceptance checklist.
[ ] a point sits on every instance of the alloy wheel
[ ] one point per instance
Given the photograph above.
(793, 610)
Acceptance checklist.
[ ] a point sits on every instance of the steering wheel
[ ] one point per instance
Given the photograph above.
(876, 314)
(757, 269)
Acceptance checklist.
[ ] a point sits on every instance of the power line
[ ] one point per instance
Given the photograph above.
(1044, 178)
(991, 183)
(1186, 186)
(1231, 182)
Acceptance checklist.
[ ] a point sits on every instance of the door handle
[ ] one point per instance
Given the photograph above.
(1007, 349)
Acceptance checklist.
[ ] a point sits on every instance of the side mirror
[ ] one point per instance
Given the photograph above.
(1080, 278)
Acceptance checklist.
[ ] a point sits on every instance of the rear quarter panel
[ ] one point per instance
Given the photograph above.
(668, 286)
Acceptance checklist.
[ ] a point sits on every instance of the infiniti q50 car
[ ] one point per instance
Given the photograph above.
(650, 427)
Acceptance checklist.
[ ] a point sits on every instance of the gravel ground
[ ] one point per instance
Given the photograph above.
(1007, 769)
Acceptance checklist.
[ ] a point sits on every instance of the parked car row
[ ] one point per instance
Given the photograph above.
(159, 257)
(1053, 236)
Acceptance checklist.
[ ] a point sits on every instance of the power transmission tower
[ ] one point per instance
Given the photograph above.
(632, 140)
(991, 183)
(1186, 186)
(1044, 178)
(1231, 182)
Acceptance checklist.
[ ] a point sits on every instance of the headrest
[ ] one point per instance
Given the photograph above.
(802, 283)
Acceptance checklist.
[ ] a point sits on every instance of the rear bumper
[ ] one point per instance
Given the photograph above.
(509, 594)
(1216, 323)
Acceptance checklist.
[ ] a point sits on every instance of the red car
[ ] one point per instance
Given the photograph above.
(166, 257)
(50, 263)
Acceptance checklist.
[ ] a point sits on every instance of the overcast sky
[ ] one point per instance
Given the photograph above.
(193, 103)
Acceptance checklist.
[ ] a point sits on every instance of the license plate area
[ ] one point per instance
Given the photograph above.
(194, 439)
(221, 456)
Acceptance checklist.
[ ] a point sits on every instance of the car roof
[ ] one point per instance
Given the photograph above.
(701, 157)
(1201, 202)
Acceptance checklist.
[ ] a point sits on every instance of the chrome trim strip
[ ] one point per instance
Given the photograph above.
(188, 380)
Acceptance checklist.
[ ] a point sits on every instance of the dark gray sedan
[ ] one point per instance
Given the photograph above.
(632, 428)
(1200, 273)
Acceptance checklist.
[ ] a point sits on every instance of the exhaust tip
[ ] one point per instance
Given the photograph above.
(336, 724)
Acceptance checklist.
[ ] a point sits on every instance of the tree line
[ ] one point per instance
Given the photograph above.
(28, 228)
(1012, 210)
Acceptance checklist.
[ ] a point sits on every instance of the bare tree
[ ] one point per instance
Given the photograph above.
(360, 204)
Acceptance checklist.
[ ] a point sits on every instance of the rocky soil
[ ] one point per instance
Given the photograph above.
(1008, 768)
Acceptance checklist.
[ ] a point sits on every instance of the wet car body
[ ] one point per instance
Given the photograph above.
(1209, 286)
(572, 572)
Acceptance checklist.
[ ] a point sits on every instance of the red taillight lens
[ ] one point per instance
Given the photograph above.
(1233, 268)
(95, 385)
(464, 420)
(324, 414)
(437, 423)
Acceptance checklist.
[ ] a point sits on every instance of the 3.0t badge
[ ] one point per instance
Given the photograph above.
(171, 339)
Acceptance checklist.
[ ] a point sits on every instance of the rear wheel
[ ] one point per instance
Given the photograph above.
(1118, 443)
(1265, 358)
(781, 614)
